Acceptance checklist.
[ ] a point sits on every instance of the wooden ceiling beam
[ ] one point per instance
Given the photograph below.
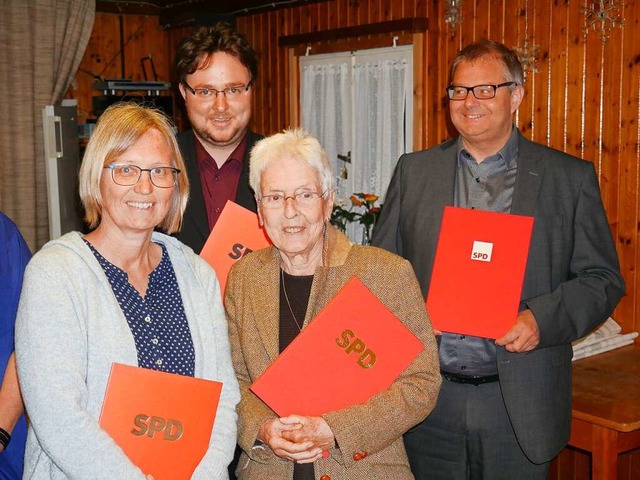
(409, 25)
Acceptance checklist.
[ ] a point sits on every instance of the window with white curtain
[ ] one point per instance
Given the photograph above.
(359, 105)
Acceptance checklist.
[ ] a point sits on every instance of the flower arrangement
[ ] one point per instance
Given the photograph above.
(362, 210)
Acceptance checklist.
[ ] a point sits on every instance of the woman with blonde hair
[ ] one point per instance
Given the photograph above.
(122, 293)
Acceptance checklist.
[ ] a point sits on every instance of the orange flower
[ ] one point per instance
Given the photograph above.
(370, 197)
(355, 201)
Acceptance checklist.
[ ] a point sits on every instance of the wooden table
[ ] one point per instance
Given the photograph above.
(606, 408)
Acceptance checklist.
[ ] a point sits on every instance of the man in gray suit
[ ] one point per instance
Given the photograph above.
(504, 410)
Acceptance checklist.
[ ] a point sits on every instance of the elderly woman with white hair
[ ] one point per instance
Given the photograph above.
(273, 293)
(122, 293)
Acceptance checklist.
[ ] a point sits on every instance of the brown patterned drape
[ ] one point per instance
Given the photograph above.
(41, 45)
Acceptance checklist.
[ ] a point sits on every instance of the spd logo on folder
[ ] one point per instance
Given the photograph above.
(478, 272)
(236, 233)
(162, 421)
(354, 348)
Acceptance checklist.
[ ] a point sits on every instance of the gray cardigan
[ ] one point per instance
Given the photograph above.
(69, 331)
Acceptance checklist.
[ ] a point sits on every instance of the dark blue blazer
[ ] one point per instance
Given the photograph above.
(195, 226)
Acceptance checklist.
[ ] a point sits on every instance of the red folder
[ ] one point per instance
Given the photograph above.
(354, 348)
(478, 272)
(235, 234)
(162, 421)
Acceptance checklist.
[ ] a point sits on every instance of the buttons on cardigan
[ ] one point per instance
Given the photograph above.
(147, 319)
(325, 477)
(159, 362)
(360, 455)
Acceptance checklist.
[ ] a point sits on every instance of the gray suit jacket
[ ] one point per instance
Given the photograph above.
(195, 226)
(572, 281)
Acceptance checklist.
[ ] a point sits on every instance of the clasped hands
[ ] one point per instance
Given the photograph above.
(297, 438)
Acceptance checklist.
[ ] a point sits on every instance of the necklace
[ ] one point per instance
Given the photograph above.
(286, 297)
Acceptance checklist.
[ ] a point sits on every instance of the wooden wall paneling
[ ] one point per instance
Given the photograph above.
(375, 15)
(265, 103)
(495, 27)
(296, 24)
(276, 101)
(422, 7)
(408, 8)
(294, 69)
(284, 118)
(610, 136)
(421, 84)
(294, 87)
(396, 10)
(427, 81)
(576, 60)
(515, 36)
(446, 40)
(539, 26)
(385, 9)
(592, 110)
(466, 30)
(557, 80)
(629, 185)
(336, 14)
(308, 19)
(268, 100)
(97, 60)
(483, 18)
(352, 13)
(142, 36)
(322, 16)
(260, 120)
(363, 16)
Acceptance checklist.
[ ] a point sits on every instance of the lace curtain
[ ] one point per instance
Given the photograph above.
(360, 103)
(325, 90)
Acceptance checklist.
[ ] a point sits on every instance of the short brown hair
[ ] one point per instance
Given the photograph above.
(195, 49)
(118, 128)
(513, 71)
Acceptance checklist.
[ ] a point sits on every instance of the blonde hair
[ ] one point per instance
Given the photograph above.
(292, 142)
(118, 128)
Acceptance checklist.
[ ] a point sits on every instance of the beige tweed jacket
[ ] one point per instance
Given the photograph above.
(369, 436)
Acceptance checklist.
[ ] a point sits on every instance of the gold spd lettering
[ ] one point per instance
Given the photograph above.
(148, 425)
(366, 358)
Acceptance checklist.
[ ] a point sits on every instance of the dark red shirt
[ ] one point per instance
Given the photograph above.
(219, 184)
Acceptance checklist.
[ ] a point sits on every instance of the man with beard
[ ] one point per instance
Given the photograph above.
(217, 68)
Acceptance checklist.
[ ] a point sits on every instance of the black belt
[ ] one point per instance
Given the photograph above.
(452, 377)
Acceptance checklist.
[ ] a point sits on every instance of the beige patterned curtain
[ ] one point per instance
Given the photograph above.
(41, 45)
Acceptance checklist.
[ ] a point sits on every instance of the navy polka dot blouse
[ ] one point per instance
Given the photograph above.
(157, 321)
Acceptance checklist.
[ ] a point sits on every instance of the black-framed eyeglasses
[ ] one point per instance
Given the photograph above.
(303, 198)
(481, 92)
(207, 93)
(129, 175)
